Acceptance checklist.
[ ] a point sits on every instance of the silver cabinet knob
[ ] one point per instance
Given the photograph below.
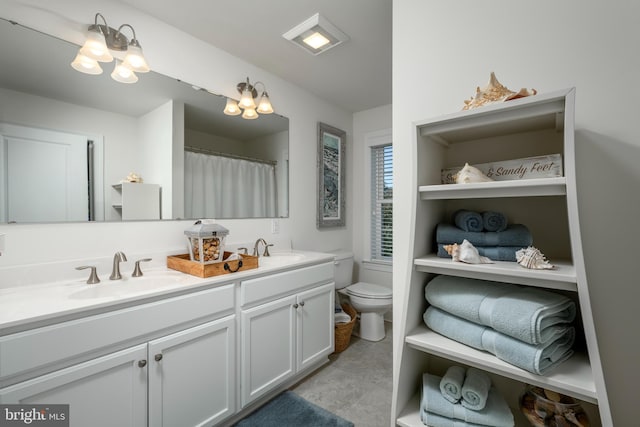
(142, 363)
(302, 304)
(295, 305)
(158, 357)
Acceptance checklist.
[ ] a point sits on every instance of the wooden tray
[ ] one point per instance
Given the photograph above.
(184, 264)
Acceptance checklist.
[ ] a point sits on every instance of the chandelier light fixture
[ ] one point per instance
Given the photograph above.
(101, 39)
(247, 104)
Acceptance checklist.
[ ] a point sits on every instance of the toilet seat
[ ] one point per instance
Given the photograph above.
(369, 290)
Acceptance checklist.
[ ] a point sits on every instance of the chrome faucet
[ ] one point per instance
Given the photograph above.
(257, 245)
(117, 259)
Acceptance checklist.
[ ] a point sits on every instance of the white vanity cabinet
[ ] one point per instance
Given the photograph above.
(286, 326)
(107, 391)
(184, 378)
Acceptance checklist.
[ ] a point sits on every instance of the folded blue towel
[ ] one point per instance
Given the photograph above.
(451, 383)
(494, 221)
(513, 235)
(495, 413)
(468, 220)
(475, 389)
(532, 315)
(537, 359)
(495, 253)
(434, 420)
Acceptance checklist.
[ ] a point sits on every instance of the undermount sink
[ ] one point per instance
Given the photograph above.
(280, 258)
(128, 286)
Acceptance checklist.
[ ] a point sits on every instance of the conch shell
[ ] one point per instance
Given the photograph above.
(494, 92)
(466, 252)
(133, 177)
(469, 174)
(534, 259)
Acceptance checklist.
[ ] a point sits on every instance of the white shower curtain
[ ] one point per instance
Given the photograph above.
(223, 187)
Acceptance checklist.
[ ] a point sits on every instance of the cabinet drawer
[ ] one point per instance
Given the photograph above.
(44, 346)
(277, 285)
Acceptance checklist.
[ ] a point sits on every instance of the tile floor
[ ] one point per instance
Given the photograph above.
(356, 384)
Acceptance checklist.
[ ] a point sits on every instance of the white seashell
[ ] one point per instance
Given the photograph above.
(494, 92)
(534, 259)
(469, 174)
(467, 253)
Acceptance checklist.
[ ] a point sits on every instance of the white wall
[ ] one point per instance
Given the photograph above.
(155, 153)
(179, 55)
(449, 48)
(365, 123)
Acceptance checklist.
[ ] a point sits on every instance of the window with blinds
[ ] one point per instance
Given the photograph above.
(382, 203)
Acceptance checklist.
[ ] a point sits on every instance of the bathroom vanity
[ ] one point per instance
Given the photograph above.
(186, 351)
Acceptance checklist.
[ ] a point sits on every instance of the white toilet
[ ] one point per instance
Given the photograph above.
(371, 301)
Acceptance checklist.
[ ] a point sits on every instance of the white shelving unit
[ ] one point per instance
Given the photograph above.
(135, 201)
(535, 126)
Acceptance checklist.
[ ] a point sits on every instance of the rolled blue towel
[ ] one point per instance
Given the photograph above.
(536, 359)
(532, 315)
(494, 221)
(451, 383)
(475, 389)
(495, 253)
(468, 220)
(514, 235)
(495, 413)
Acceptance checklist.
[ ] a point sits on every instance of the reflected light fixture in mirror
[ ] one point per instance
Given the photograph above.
(100, 40)
(247, 102)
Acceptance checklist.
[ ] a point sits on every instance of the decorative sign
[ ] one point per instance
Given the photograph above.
(527, 168)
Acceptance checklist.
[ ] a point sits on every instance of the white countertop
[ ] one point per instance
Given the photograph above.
(38, 305)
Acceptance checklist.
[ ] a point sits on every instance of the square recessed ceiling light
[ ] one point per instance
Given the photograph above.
(316, 35)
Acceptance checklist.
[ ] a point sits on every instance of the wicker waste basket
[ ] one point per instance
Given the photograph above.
(343, 330)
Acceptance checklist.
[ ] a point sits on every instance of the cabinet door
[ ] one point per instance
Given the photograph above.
(268, 335)
(192, 375)
(108, 391)
(315, 324)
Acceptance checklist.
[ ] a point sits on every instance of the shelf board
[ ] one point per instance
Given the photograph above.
(572, 377)
(410, 415)
(543, 111)
(563, 277)
(512, 188)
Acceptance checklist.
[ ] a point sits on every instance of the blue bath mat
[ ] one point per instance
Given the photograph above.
(290, 410)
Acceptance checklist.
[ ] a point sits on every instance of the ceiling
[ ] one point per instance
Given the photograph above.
(355, 75)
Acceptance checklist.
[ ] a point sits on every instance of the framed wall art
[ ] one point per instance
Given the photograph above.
(331, 176)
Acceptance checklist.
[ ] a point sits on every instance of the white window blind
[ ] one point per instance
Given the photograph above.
(382, 203)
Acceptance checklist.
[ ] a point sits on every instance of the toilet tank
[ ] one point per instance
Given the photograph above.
(343, 268)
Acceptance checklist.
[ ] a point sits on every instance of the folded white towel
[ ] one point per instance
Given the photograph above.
(342, 317)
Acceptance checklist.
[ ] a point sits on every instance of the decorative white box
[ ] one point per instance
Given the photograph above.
(549, 166)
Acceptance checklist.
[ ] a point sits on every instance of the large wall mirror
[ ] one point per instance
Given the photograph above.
(68, 142)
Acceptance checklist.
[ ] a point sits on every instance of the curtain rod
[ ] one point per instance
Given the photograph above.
(232, 156)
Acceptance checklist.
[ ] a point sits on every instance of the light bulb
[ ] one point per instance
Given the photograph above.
(86, 65)
(134, 58)
(121, 73)
(264, 106)
(250, 114)
(246, 100)
(95, 47)
(231, 109)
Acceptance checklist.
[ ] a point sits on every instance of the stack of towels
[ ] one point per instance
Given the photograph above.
(527, 327)
(462, 398)
(489, 232)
